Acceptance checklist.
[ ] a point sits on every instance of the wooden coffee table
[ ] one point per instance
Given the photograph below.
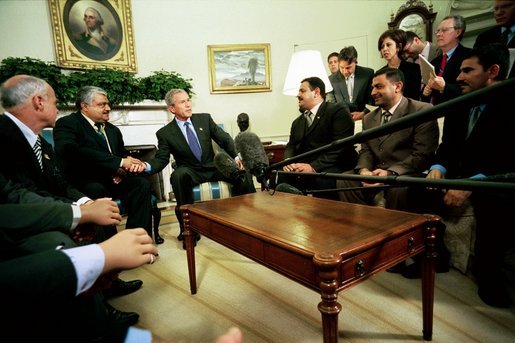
(325, 245)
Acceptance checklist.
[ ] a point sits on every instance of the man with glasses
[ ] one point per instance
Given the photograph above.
(444, 86)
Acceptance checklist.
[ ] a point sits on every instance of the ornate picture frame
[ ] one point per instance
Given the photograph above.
(239, 68)
(93, 33)
(414, 16)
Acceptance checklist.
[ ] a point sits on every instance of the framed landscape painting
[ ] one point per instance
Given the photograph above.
(239, 68)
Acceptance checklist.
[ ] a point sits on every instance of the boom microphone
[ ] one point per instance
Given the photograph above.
(253, 155)
(227, 166)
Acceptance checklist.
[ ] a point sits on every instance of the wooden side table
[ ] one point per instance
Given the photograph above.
(275, 152)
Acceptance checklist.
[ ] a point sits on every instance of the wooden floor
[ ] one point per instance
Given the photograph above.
(267, 307)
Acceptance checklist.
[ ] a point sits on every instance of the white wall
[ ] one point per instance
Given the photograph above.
(174, 35)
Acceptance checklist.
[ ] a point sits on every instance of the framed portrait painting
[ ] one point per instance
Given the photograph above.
(93, 33)
(239, 68)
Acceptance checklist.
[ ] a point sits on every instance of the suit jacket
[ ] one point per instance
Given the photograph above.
(21, 165)
(332, 122)
(434, 52)
(489, 147)
(362, 88)
(77, 142)
(412, 79)
(494, 35)
(406, 151)
(171, 141)
(451, 72)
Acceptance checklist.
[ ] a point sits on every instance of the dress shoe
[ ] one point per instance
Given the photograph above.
(121, 318)
(120, 287)
(158, 239)
(398, 268)
(180, 237)
(197, 238)
(493, 295)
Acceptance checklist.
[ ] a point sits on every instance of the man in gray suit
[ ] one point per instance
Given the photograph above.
(352, 84)
(404, 152)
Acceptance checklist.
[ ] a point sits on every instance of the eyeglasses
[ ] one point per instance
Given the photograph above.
(102, 104)
(444, 30)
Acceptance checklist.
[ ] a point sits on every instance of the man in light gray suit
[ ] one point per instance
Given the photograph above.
(404, 152)
(352, 84)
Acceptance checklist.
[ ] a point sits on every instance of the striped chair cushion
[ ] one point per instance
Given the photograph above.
(211, 190)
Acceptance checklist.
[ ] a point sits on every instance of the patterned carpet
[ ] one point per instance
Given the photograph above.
(267, 307)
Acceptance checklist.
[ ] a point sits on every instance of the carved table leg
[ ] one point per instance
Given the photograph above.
(428, 283)
(327, 266)
(190, 251)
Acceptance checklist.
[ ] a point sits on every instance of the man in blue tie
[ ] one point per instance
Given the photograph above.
(479, 142)
(189, 138)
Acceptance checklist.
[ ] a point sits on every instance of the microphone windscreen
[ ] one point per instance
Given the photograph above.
(226, 165)
(251, 149)
(287, 188)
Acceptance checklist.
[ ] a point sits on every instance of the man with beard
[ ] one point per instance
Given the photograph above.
(319, 124)
(478, 142)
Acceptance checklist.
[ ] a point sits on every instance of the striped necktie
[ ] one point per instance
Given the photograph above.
(309, 118)
(386, 117)
(38, 152)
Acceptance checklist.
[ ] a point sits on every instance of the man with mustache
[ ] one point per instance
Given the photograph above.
(319, 124)
(479, 142)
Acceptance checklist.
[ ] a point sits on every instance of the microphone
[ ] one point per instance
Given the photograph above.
(228, 167)
(287, 188)
(253, 155)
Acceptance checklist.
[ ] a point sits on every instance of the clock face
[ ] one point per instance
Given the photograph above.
(415, 23)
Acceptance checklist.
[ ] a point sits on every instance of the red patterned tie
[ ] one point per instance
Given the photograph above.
(442, 65)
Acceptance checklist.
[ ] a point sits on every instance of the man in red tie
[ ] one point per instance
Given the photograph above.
(444, 87)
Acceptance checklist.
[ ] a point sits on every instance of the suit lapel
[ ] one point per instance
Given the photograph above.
(359, 81)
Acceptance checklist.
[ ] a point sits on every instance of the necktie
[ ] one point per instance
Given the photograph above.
(386, 117)
(38, 152)
(101, 131)
(192, 141)
(473, 117)
(309, 118)
(504, 36)
(442, 65)
(350, 87)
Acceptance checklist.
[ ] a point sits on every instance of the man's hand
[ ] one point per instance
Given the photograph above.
(456, 198)
(436, 83)
(128, 249)
(376, 172)
(357, 115)
(133, 165)
(240, 164)
(102, 211)
(299, 168)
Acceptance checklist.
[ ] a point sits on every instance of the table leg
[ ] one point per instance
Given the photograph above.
(428, 283)
(190, 251)
(329, 307)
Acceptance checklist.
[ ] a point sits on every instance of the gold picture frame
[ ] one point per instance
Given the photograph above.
(93, 33)
(239, 68)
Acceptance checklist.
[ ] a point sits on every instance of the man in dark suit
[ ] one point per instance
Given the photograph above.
(319, 124)
(444, 86)
(415, 47)
(92, 154)
(352, 78)
(504, 11)
(478, 142)
(30, 105)
(189, 138)
(405, 152)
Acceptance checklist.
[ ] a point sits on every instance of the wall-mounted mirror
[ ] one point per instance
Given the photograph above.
(414, 16)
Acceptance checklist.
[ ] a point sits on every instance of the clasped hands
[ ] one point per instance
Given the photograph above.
(131, 165)
(375, 172)
(299, 168)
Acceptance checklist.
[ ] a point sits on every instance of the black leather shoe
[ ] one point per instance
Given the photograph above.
(180, 237)
(120, 287)
(494, 296)
(119, 317)
(197, 238)
(398, 268)
(158, 239)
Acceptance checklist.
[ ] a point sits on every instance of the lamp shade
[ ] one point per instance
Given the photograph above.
(303, 64)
